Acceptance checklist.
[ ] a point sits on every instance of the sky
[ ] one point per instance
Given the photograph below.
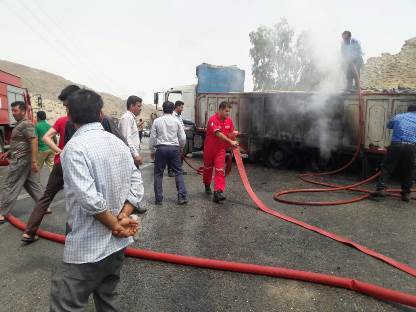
(139, 47)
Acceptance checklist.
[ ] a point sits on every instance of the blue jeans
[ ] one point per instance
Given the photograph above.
(168, 155)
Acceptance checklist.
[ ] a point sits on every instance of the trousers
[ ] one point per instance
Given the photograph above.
(168, 155)
(399, 160)
(73, 283)
(214, 158)
(19, 175)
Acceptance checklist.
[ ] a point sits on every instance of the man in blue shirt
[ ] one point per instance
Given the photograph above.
(401, 153)
(352, 57)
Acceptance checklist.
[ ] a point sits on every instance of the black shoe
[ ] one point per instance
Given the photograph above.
(218, 197)
(184, 172)
(182, 201)
(377, 195)
(170, 173)
(405, 197)
(208, 190)
(158, 203)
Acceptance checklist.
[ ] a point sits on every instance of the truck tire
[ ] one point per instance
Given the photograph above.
(279, 157)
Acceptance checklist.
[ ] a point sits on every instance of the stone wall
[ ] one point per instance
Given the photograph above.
(392, 71)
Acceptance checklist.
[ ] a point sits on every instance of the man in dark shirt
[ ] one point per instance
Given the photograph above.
(23, 168)
(400, 157)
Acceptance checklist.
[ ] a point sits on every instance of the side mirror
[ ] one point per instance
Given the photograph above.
(156, 98)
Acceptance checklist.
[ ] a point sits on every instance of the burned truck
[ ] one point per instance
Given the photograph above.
(283, 127)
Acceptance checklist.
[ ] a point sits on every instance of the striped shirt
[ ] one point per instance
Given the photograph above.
(99, 175)
(404, 128)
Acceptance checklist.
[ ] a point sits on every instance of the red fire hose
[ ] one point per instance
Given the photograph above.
(317, 278)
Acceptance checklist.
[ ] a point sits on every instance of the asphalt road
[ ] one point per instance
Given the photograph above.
(235, 231)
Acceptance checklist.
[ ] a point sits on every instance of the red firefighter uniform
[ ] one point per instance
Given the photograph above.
(214, 151)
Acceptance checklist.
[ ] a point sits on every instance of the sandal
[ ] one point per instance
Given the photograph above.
(29, 239)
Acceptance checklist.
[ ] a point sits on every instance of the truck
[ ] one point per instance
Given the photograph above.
(11, 90)
(284, 128)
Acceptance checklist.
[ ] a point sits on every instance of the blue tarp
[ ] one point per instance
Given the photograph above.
(219, 79)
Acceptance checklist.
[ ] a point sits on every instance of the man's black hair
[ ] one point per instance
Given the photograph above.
(67, 91)
(347, 32)
(179, 103)
(224, 104)
(168, 107)
(41, 115)
(411, 108)
(84, 106)
(132, 99)
(22, 105)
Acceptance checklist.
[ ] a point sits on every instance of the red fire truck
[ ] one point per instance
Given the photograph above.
(10, 91)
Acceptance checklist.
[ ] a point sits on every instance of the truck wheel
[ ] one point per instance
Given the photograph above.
(279, 157)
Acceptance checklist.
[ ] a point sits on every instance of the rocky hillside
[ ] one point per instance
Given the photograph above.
(49, 86)
(392, 70)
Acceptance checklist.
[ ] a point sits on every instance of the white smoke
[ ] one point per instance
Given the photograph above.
(325, 131)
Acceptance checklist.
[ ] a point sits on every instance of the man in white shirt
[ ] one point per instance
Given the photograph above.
(128, 127)
(177, 112)
(167, 139)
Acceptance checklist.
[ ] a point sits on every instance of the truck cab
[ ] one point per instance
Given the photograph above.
(11, 90)
(185, 94)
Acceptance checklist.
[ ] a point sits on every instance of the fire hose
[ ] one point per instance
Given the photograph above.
(317, 278)
(329, 280)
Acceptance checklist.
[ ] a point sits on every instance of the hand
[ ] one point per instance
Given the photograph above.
(35, 167)
(58, 152)
(234, 143)
(4, 156)
(138, 160)
(152, 155)
(126, 227)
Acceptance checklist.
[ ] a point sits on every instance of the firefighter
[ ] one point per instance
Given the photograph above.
(219, 129)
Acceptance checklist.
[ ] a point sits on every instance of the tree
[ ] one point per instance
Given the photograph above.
(280, 60)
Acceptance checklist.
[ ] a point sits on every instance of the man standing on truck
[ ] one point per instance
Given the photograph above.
(23, 168)
(128, 127)
(45, 154)
(400, 155)
(219, 128)
(352, 60)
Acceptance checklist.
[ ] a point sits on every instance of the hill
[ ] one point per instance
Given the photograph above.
(49, 86)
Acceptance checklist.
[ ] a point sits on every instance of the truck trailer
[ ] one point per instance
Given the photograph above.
(279, 127)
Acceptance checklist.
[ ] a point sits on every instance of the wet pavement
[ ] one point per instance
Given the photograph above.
(235, 231)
